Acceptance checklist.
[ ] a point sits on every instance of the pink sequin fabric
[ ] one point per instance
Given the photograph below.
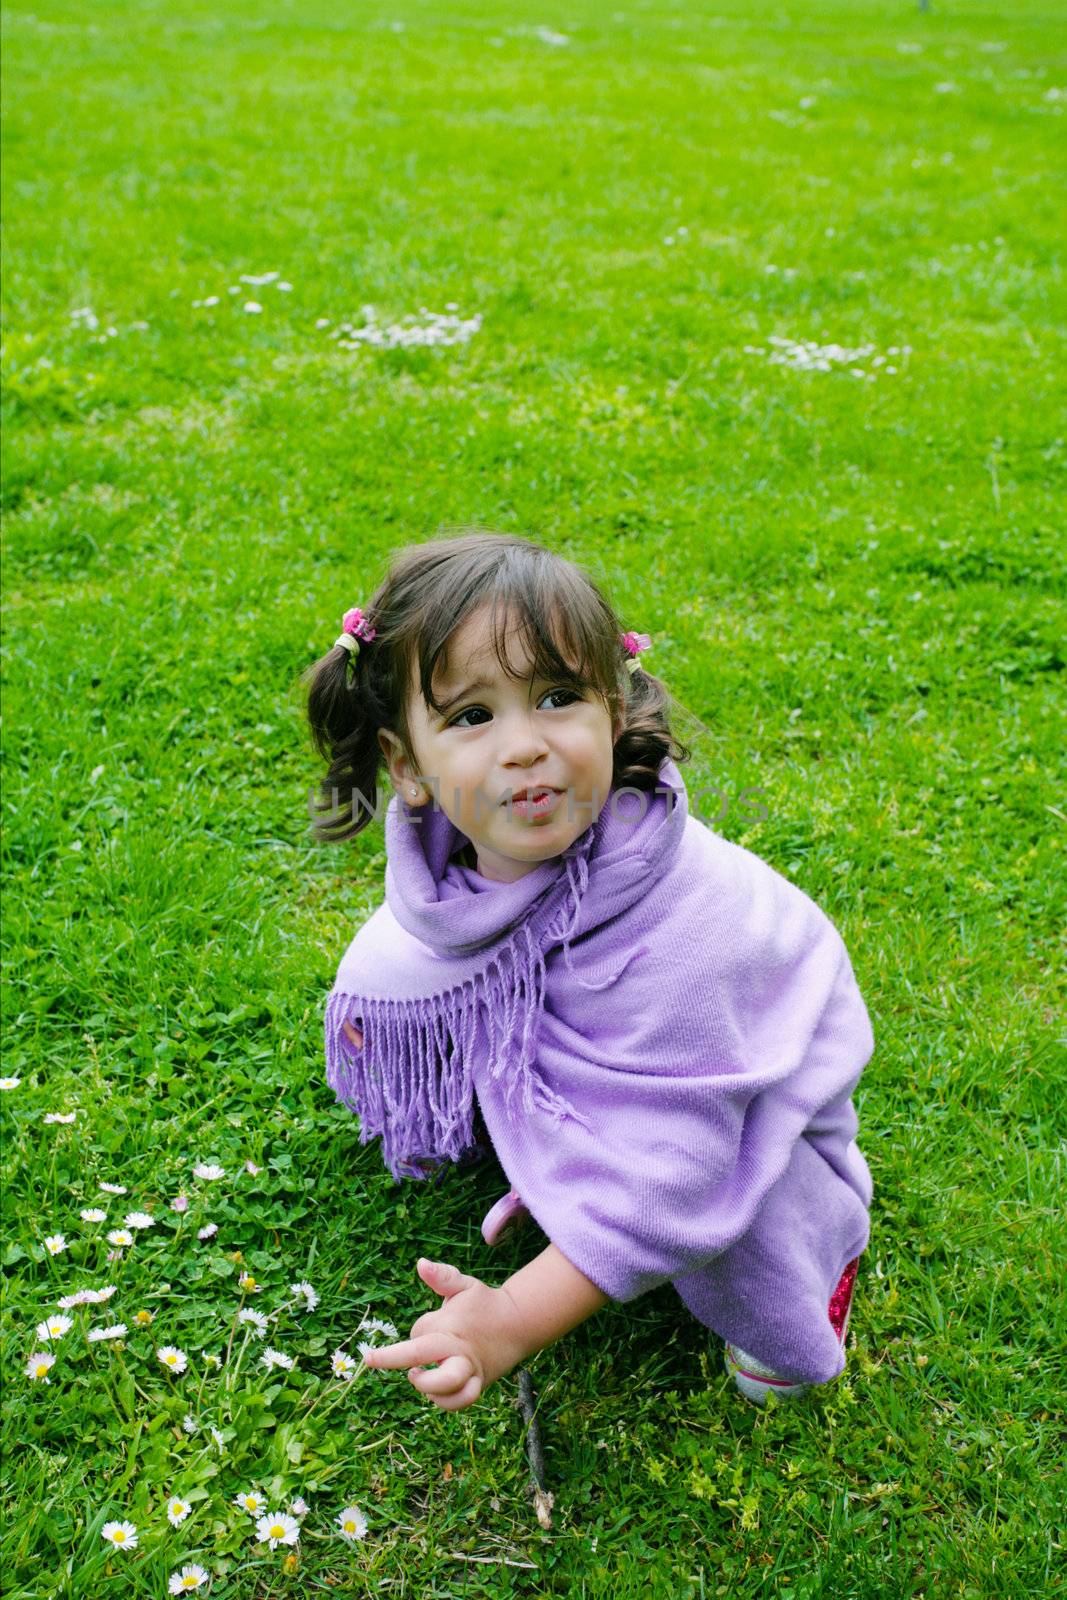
(841, 1298)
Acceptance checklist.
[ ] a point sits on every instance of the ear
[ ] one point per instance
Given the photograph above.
(401, 771)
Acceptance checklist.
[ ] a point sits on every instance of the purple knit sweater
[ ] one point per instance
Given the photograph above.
(663, 1034)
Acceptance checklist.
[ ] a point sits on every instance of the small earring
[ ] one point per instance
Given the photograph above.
(414, 791)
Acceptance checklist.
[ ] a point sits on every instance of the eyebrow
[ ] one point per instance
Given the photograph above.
(470, 688)
(479, 683)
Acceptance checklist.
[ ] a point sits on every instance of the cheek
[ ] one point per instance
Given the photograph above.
(600, 744)
(464, 769)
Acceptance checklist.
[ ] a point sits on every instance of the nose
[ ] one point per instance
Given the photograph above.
(521, 741)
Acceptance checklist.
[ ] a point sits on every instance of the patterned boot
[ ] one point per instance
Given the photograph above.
(756, 1380)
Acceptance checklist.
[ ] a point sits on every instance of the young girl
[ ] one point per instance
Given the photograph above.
(659, 1034)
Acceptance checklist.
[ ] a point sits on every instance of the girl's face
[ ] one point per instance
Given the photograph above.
(497, 737)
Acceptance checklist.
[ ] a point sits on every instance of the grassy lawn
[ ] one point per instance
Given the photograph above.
(758, 314)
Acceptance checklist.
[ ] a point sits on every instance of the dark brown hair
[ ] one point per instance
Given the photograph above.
(569, 631)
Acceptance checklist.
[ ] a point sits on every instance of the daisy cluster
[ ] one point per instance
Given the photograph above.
(250, 1336)
(85, 317)
(807, 356)
(246, 281)
(423, 329)
(428, 328)
(271, 1528)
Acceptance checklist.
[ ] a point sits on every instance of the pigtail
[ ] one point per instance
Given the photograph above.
(342, 712)
(646, 737)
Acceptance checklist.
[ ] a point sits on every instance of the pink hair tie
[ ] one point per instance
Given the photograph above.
(356, 627)
(633, 644)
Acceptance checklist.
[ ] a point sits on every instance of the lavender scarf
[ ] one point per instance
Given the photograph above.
(663, 1035)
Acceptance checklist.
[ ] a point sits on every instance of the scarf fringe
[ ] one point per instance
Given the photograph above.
(412, 1082)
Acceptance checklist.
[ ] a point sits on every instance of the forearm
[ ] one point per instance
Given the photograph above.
(550, 1297)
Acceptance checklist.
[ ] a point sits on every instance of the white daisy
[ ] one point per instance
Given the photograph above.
(93, 1214)
(123, 1535)
(256, 1318)
(208, 1231)
(303, 1289)
(191, 1577)
(217, 1436)
(113, 1188)
(180, 1203)
(212, 1360)
(278, 1527)
(191, 1425)
(54, 1328)
(274, 1358)
(376, 1325)
(120, 1237)
(86, 1297)
(177, 1510)
(365, 1347)
(352, 1523)
(343, 1365)
(252, 1169)
(39, 1365)
(209, 1170)
(59, 1116)
(250, 1501)
(116, 1331)
(249, 1284)
(54, 1243)
(172, 1358)
(139, 1219)
(299, 1507)
(10, 1083)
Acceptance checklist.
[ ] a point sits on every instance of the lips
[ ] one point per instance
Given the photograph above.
(535, 803)
(531, 794)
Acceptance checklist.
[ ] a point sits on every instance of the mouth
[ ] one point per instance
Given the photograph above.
(539, 801)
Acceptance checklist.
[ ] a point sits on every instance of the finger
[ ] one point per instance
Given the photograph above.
(443, 1278)
(466, 1396)
(412, 1352)
(353, 1034)
(448, 1378)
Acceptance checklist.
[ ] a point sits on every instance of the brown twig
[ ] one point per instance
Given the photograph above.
(543, 1499)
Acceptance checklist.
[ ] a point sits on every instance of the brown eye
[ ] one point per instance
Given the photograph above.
(456, 723)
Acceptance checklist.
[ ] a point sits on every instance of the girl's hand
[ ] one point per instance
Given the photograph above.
(353, 1034)
(475, 1335)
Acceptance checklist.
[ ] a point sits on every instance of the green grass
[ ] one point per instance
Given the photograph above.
(856, 585)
